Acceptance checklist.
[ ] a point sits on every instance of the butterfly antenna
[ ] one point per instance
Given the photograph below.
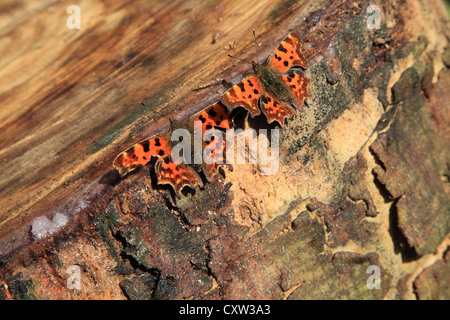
(256, 42)
(239, 59)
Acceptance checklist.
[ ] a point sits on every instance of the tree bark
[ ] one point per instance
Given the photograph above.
(362, 187)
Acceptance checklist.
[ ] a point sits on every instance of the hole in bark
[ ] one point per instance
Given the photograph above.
(387, 197)
(398, 238)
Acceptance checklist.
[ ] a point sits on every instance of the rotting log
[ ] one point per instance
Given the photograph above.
(363, 178)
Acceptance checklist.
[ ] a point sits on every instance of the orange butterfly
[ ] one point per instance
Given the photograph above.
(160, 147)
(276, 87)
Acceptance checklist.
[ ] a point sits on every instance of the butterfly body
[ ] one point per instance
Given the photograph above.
(276, 88)
(273, 84)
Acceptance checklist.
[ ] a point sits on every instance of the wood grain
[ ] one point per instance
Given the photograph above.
(71, 98)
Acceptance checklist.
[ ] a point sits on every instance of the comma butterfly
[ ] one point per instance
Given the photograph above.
(275, 88)
(160, 147)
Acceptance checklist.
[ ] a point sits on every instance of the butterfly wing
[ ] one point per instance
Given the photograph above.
(288, 54)
(275, 110)
(298, 84)
(141, 153)
(215, 155)
(176, 175)
(215, 116)
(246, 94)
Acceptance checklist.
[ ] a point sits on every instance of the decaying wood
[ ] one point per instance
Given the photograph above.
(363, 173)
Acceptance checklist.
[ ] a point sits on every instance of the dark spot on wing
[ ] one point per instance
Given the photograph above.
(281, 48)
(146, 145)
(212, 112)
